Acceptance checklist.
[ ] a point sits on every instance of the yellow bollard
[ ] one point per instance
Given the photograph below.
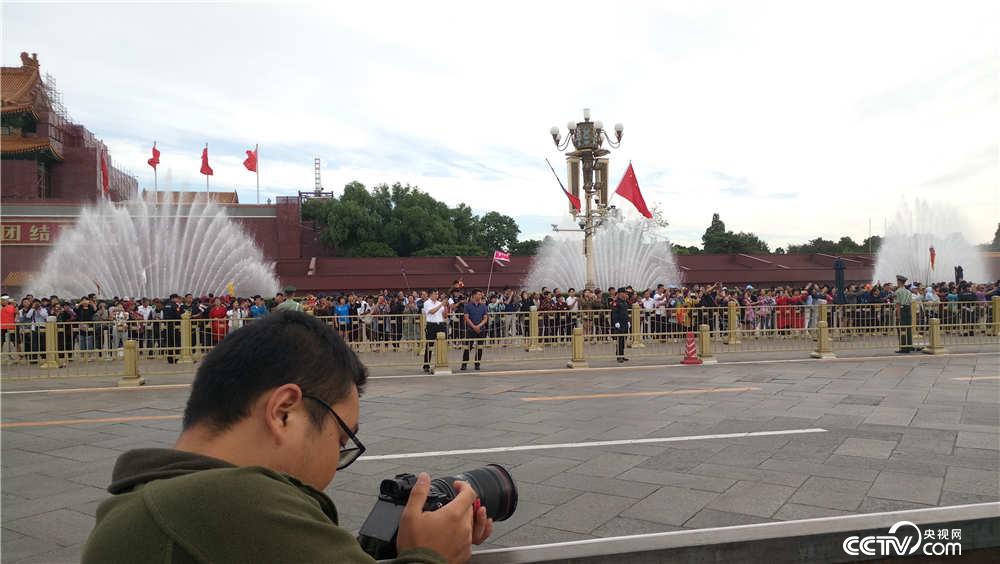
(705, 345)
(187, 356)
(533, 342)
(995, 306)
(914, 316)
(131, 376)
(822, 315)
(422, 327)
(441, 354)
(636, 317)
(578, 361)
(732, 323)
(934, 343)
(823, 349)
(51, 344)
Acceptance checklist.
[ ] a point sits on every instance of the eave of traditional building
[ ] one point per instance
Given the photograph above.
(16, 147)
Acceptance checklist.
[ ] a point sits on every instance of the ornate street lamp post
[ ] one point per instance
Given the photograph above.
(587, 160)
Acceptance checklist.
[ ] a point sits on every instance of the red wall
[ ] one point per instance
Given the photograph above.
(19, 179)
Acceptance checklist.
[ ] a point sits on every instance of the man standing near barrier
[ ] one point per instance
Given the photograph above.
(172, 312)
(621, 322)
(433, 311)
(474, 318)
(904, 315)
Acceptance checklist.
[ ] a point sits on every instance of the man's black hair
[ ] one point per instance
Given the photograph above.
(282, 348)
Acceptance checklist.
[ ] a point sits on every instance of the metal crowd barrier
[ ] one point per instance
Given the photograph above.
(90, 349)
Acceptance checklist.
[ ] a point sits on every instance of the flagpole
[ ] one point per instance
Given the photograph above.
(402, 270)
(155, 188)
(256, 154)
(206, 179)
(490, 281)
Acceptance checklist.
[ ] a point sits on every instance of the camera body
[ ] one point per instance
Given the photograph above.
(492, 484)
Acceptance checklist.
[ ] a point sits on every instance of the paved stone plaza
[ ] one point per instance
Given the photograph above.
(857, 435)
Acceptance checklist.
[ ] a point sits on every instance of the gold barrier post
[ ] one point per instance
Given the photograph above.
(705, 345)
(823, 349)
(732, 324)
(51, 344)
(914, 316)
(821, 313)
(995, 306)
(636, 318)
(186, 356)
(131, 375)
(934, 345)
(533, 344)
(578, 361)
(422, 327)
(441, 354)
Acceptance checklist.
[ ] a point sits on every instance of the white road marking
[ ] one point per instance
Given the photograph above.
(590, 444)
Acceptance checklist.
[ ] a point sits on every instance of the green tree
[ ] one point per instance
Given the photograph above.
(718, 240)
(373, 249)
(715, 229)
(526, 247)
(498, 231)
(995, 245)
(873, 243)
(404, 221)
(682, 250)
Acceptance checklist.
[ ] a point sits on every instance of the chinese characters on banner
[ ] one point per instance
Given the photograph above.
(29, 233)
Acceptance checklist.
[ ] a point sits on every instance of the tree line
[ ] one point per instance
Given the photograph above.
(404, 221)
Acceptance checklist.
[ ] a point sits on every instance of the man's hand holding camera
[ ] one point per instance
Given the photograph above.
(451, 530)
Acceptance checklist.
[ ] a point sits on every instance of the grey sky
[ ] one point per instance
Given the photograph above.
(791, 119)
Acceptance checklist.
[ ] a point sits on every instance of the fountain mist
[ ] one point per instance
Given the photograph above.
(626, 252)
(141, 249)
(917, 227)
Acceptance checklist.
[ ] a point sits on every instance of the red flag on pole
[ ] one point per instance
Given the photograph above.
(156, 157)
(501, 258)
(251, 160)
(572, 199)
(933, 256)
(628, 188)
(205, 169)
(105, 181)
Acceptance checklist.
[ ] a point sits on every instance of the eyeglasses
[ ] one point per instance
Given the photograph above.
(354, 448)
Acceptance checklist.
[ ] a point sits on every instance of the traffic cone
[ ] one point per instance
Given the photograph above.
(690, 351)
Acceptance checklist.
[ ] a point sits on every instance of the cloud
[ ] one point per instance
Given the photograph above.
(745, 109)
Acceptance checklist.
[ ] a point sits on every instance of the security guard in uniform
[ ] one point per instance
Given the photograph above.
(621, 322)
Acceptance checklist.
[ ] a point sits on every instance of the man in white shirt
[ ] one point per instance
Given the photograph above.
(434, 311)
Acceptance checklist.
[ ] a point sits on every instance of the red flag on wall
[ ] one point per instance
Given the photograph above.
(156, 157)
(628, 188)
(105, 181)
(933, 256)
(205, 169)
(251, 160)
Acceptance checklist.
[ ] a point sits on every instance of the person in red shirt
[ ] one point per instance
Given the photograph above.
(8, 334)
(220, 323)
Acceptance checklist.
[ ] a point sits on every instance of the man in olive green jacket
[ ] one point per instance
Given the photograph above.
(273, 414)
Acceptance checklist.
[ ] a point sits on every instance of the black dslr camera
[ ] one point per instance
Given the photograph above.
(492, 483)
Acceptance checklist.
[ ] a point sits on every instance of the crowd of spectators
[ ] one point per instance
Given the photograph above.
(389, 317)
